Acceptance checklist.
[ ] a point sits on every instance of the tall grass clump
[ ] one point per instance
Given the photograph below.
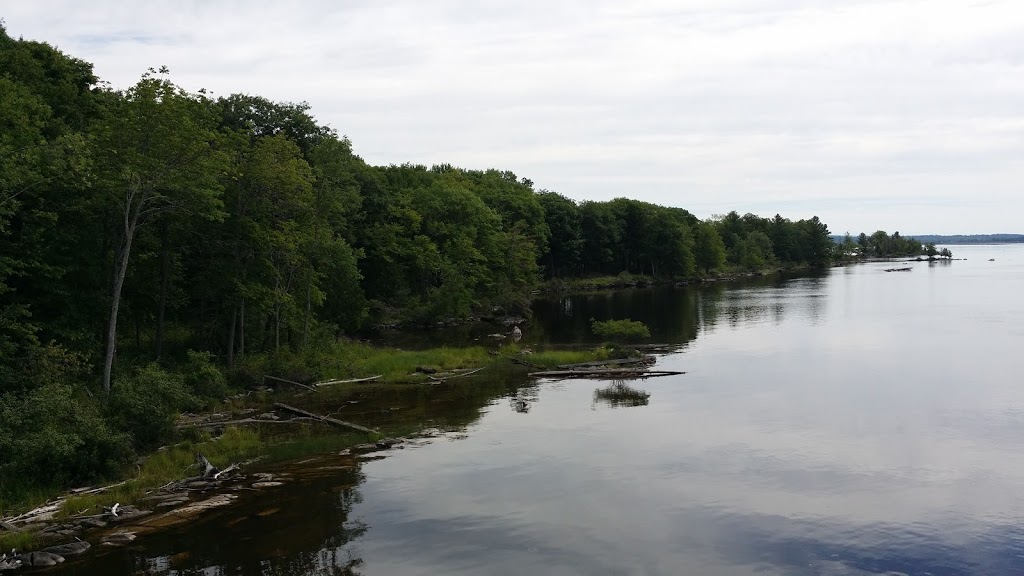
(620, 330)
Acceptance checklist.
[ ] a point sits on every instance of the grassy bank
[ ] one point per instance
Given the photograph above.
(625, 280)
(172, 456)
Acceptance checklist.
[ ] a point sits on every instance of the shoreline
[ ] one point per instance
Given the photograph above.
(252, 435)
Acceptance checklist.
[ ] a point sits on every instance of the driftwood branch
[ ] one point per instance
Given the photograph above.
(327, 419)
(83, 491)
(351, 381)
(292, 382)
(234, 466)
(612, 362)
(205, 468)
(618, 373)
(45, 510)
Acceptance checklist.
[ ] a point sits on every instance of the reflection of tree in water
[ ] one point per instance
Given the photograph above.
(524, 398)
(767, 300)
(621, 395)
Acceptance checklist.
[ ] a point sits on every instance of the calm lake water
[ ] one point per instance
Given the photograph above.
(857, 422)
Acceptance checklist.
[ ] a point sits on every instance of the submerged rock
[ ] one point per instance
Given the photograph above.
(69, 549)
(267, 484)
(38, 559)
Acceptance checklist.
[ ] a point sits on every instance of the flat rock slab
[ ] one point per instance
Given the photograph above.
(267, 484)
(203, 505)
(126, 514)
(172, 503)
(118, 539)
(183, 514)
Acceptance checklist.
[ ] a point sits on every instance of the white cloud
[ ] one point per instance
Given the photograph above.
(903, 114)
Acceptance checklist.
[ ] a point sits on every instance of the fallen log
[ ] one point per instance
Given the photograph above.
(351, 381)
(326, 419)
(460, 375)
(292, 382)
(515, 360)
(188, 425)
(44, 512)
(83, 491)
(619, 373)
(611, 362)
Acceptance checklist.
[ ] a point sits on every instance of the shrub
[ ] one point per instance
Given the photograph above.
(620, 329)
(146, 404)
(202, 377)
(56, 436)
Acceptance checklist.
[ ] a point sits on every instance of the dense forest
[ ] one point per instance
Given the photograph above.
(155, 242)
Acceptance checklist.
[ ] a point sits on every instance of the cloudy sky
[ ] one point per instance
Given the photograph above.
(895, 114)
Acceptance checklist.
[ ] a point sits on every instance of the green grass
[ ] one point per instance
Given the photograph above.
(18, 540)
(355, 360)
(621, 330)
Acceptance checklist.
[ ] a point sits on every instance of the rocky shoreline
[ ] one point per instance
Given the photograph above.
(170, 505)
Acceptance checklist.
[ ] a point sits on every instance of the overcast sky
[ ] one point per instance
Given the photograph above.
(898, 114)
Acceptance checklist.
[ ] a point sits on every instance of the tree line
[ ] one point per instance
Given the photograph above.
(138, 225)
(883, 245)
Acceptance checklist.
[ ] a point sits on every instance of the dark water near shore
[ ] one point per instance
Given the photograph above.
(856, 422)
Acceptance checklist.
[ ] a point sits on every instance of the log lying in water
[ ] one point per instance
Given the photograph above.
(618, 373)
(351, 381)
(612, 362)
(326, 419)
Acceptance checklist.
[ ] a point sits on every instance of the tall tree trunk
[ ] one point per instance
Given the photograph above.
(241, 330)
(277, 315)
(231, 336)
(309, 299)
(165, 272)
(121, 269)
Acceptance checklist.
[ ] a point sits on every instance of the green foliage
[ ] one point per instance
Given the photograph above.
(710, 248)
(202, 378)
(620, 330)
(147, 402)
(56, 434)
(882, 245)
